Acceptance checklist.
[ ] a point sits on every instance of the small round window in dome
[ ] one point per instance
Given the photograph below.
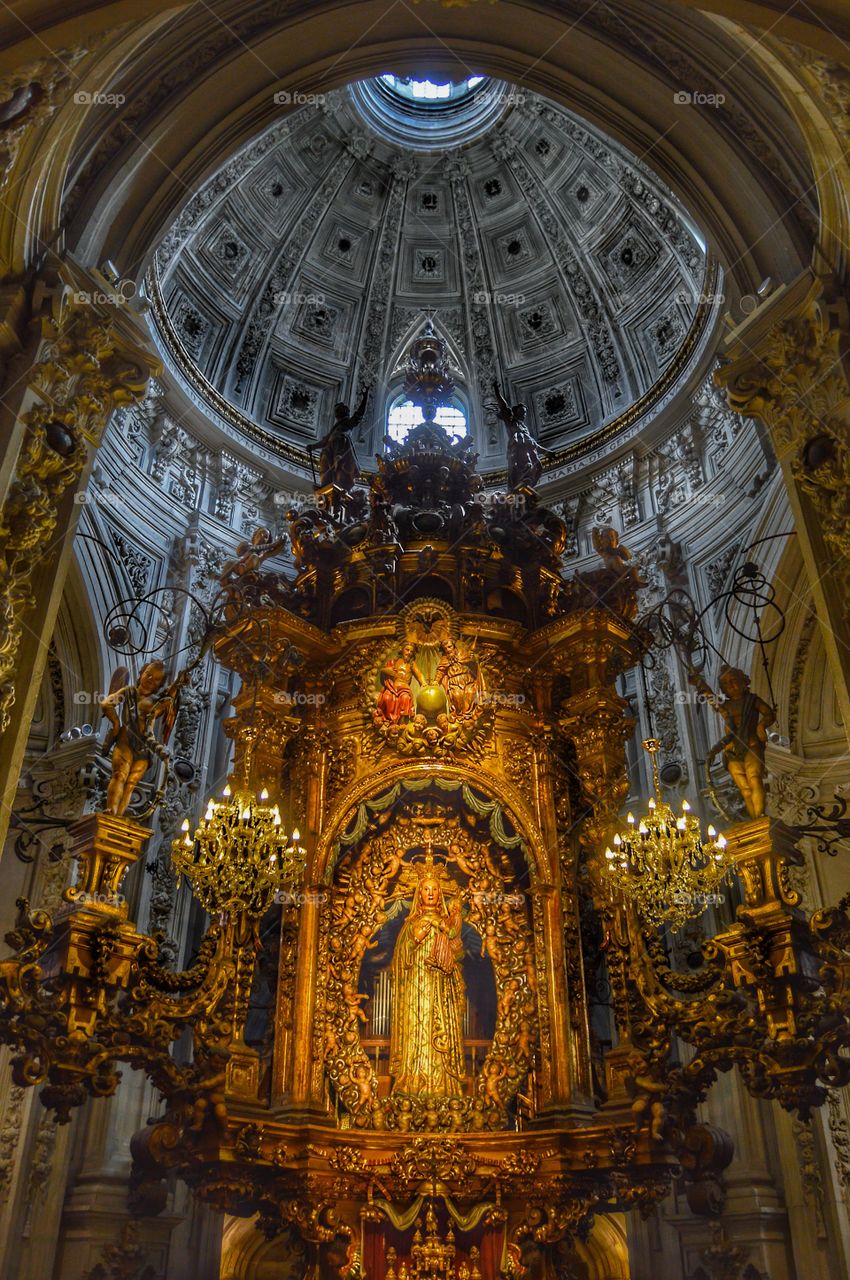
(404, 415)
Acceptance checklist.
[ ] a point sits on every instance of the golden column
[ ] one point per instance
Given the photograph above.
(588, 649)
(788, 365)
(299, 1076)
(596, 719)
(568, 1074)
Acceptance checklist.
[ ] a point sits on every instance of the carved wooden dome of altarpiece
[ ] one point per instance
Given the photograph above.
(434, 705)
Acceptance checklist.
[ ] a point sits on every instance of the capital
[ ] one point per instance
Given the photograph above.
(788, 364)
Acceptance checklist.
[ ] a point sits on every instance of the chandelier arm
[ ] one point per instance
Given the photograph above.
(670, 980)
(161, 979)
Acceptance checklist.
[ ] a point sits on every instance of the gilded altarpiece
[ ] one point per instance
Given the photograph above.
(433, 1020)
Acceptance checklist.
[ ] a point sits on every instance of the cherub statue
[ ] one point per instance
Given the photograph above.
(747, 718)
(250, 555)
(362, 1075)
(615, 557)
(132, 711)
(241, 573)
(338, 463)
(523, 451)
(647, 1095)
(477, 1119)
(404, 1114)
(493, 1072)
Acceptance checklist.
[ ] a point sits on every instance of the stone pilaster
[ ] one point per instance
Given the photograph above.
(788, 365)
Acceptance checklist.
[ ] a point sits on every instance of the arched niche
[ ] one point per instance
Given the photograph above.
(246, 1254)
(359, 893)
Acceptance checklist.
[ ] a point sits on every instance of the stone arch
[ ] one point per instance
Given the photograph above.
(620, 88)
(606, 1250)
(538, 856)
(246, 1254)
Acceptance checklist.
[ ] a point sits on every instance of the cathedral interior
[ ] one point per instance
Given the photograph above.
(425, 640)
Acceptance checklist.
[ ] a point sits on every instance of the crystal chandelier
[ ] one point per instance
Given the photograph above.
(240, 857)
(662, 864)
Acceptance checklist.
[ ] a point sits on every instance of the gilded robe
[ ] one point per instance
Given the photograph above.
(426, 1043)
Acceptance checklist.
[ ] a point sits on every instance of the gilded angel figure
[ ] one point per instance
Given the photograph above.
(132, 711)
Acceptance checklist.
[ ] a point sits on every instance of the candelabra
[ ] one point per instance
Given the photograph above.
(86, 990)
(239, 859)
(431, 1257)
(662, 864)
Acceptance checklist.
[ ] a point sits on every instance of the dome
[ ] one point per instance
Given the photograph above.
(547, 257)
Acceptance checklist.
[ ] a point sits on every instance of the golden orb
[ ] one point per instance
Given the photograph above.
(431, 701)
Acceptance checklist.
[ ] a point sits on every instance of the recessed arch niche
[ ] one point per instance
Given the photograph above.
(450, 833)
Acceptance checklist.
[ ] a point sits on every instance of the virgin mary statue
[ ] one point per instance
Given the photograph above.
(426, 1041)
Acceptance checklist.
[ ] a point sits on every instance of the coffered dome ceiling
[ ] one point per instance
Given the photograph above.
(548, 257)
